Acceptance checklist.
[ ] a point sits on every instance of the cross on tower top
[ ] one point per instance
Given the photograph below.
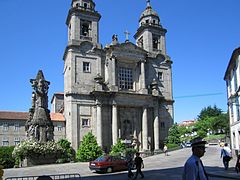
(127, 34)
(148, 3)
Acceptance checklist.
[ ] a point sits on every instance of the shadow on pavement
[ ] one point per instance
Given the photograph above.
(168, 174)
(164, 174)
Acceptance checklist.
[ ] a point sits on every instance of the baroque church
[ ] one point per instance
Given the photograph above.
(122, 91)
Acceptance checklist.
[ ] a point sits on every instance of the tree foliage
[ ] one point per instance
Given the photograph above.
(209, 112)
(6, 159)
(68, 154)
(173, 135)
(118, 148)
(212, 119)
(89, 149)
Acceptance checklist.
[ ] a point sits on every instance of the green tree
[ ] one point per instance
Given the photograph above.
(209, 112)
(6, 159)
(212, 119)
(174, 135)
(185, 132)
(89, 149)
(69, 153)
(118, 148)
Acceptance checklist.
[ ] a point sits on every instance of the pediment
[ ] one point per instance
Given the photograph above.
(128, 47)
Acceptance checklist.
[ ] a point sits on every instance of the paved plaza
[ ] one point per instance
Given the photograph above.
(156, 167)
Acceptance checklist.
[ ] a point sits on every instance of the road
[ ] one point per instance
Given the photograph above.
(156, 167)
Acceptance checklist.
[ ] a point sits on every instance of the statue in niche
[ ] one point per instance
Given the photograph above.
(127, 129)
(39, 126)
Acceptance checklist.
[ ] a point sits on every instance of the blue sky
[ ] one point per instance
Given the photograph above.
(201, 37)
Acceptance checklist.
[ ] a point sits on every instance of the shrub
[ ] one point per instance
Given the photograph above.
(69, 153)
(118, 148)
(88, 149)
(130, 151)
(172, 146)
(30, 148)
(6, 158)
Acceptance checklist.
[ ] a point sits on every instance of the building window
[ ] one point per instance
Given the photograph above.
(5, 126)
(16, 141)
(85, 29)
(85, 5)
(16, 126)
(69, 32)
(160, 76)
(162, 124)
(59, 127)
(125, 78)
(5, 141)
(237, 108)
(85, 122)
(140, 42)
(86, 67)
(155, 42)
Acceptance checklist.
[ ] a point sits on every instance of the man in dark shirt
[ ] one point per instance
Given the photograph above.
(139, 164)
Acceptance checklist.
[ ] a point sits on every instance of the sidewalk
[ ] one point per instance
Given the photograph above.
(228, 174)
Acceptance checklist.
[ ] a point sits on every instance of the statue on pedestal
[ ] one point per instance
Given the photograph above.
(39, 126)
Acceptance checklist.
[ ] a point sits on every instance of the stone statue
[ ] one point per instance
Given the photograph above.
(39, 126)
(114, 39)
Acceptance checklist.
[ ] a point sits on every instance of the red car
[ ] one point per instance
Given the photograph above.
(108, 164)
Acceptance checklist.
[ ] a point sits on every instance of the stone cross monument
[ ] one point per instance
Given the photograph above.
(39, 126)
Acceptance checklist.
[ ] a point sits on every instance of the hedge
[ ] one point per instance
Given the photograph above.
(6, 158)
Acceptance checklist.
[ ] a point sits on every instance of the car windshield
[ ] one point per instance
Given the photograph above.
(101, 159)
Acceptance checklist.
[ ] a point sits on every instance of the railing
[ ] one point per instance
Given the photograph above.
(47, 177)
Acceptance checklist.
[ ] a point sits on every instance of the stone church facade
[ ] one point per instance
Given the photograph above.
(122, 91)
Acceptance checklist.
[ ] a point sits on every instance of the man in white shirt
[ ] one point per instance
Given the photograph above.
(226, 154)
(193, 168)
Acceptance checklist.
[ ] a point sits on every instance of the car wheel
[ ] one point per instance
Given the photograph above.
(109, 169)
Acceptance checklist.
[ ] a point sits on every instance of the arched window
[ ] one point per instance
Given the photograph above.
(85, 29)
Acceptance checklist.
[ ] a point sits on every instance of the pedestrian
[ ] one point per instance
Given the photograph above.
(139, 165)
(193, 168)
(130, 165)
(165, 150)
(226, 155)
(1, 172)
(237, 166)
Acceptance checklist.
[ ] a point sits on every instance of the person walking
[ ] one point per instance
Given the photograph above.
(237, 166)
(130, 165)
(226, 155)
(139, 165)
(193, 168)
(165, 150)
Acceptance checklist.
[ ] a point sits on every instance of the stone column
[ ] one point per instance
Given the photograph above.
(114, 124)
(156, 129)
(99, 123)
(113, 70)
(143, 84)
(144, 129)
(236, 140)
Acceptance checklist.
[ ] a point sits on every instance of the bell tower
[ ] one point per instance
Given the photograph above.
(83, 22)
(82, 63)
(151, 35)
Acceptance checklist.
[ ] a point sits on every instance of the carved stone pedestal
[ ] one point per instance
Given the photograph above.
(38, 160)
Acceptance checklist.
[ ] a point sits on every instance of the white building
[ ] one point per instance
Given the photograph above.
(122, 91)
(232, 78)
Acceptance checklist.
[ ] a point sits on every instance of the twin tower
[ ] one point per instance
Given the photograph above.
(122, 91)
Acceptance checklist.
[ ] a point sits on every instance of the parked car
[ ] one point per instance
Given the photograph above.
(108, 164)
(188, 144)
